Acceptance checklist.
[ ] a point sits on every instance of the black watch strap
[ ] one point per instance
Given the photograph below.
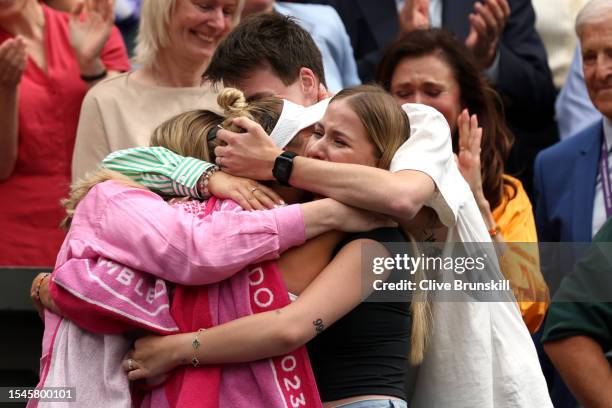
(283, 165)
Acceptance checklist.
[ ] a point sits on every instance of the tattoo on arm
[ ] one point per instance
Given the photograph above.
(319, 326)
(429, 236)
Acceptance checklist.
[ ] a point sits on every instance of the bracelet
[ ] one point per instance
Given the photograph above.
(40, 284)
(204, 179)
(94, 78)
(494, 231)
(196, 345)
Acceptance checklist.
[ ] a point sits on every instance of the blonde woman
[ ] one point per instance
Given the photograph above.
(176, 40)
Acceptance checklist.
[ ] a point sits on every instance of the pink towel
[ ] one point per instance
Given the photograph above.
(108, 298)
(284, 381)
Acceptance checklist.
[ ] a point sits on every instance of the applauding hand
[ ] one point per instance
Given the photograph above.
(91, 22)
(414, 15)
(13, 59)
(487, 24)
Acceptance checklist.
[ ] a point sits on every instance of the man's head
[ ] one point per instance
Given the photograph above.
(594, 27)
(270, 54)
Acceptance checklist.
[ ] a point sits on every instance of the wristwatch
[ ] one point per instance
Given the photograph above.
(283, 165)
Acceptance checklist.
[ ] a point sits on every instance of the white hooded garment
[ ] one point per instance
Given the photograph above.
(480, 353)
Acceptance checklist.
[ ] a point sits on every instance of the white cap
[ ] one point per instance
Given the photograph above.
(294, 118)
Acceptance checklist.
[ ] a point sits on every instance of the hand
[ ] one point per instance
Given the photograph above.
(39, 293)
(352, 219)
(13, 60)
(91, 22)
(154, 356)
(249, 194)
(487, 24)
(468, 160)
(414, 15)
(250, 154)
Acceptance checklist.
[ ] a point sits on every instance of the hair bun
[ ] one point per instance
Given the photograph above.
(232, 101)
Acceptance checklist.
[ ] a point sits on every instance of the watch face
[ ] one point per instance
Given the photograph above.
(282, 169)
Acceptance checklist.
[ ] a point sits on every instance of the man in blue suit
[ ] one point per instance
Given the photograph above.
(506, 45)
(572, 183)
(570, 203)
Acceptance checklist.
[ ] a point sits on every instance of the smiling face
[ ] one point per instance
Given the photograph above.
(341, 137)
(596, 43)
(197, 26)
(428, 80)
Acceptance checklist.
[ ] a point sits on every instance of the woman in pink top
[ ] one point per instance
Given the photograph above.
(48, 61)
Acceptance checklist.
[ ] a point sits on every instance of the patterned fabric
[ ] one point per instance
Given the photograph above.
(159, 169)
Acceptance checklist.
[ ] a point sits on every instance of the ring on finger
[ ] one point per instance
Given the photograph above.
(130, 364)
(254, 189)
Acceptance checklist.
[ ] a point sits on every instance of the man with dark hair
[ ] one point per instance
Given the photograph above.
(270, 54)
(327, 30)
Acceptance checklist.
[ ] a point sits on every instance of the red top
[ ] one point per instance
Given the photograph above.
(49, 107)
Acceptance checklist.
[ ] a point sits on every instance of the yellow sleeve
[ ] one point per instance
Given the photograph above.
(521, 262)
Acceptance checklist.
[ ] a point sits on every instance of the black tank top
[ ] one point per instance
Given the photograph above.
(366, 351)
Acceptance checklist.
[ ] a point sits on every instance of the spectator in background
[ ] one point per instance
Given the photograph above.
(578, 329)
(127, 14)
(176, 40)
(572, 178)
(570, 203)
(500, 33)
(433, 68)
(328, 32)
(574, 109)
(48, 61)
(555, 24)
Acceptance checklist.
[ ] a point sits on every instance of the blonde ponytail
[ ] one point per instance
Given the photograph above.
(422, 315)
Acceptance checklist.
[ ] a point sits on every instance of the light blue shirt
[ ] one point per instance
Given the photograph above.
(573, 108)
(328, 32)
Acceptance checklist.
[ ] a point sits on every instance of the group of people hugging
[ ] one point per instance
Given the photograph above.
(219, 227)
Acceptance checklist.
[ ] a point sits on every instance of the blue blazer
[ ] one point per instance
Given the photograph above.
(564, 188)
(564, 181)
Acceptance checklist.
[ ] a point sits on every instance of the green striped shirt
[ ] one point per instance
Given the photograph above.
(159, 169)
